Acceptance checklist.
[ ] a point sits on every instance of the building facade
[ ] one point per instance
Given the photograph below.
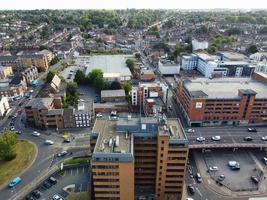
(4, 106)
(154, 150)
(222, 101)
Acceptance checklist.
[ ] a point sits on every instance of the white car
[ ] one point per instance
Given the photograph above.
(264, 138)
(35, 133)
(216, 138)
(213, 169)
(99, 115)
(190, 130)
(57, 197)
(49, 142)
(201, 139)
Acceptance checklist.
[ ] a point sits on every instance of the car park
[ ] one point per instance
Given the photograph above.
(254, 179)
(35, 133)
(248, 138)
(190, 130)
(264, 138)
(199, 178)
(191, 189)
(216, 138)
(49, 142)
(201, 139)
(252, 130)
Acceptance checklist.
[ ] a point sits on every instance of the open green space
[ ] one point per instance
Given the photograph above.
(26, 152)
(78, 196)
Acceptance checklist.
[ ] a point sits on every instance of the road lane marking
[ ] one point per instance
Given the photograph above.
(70, 171)
(77, 170)
(200, 194)
(208, 181)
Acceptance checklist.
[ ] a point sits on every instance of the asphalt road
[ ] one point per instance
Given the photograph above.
(229, 134)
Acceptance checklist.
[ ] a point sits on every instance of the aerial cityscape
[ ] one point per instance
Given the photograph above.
(132, 102)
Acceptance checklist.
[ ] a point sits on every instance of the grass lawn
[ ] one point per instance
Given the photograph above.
(78, 196)
(25, 155)
(77, 161)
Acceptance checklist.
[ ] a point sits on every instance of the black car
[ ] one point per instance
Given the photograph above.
(18, 132)
(236, 167)
(191, 189)
(52, 180)
(36, 194)
(29, 197)
(67, 140)
(252, 130)
(248, 138)
(254, 179)
(47, 185)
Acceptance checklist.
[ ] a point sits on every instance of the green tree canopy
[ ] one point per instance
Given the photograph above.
(7, 145)
(252, 49)
(127, 87)
(50, 75)
(130, 64)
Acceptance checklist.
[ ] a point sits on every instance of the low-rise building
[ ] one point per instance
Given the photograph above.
(5, 72)
(30, 74)
(167, 67)
(147, 74)
(113, 95)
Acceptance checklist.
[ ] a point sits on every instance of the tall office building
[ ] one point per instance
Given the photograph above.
(138, 158)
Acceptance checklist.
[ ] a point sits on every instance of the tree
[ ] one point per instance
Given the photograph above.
(94, 73)
(130, 64)
(42, 47)
(115, 85)
(54, 61)
(7, 145)
(234, 31)
(50, 75)
(80, 77)
(72, 96)
(127, 87)
(137, 55)
(252, 49)
(97, 79)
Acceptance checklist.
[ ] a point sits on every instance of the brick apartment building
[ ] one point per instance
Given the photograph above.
(138, 158)
(48, 113)
(222, 101)
(151, 95)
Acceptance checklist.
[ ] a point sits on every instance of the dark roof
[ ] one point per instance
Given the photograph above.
(8, 58)
(16, 79)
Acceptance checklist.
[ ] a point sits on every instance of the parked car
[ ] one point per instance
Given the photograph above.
(254, 179)
(201, 139)
(49, 142)
(216, 138)
(62, 153)
(29, 197)
(36, 194)
(190, 130)
(264, 159)
(52, 180)
(67, 140)
(213, 169)
(221, 177)
(14, 182)
(191, 189)
(113, 113)
(57, 197)
(35, 133)
(18, 132)
(199, 178)
(252, 130)
(47, 185)
(99, 115)
(248, 138)
(264, 138)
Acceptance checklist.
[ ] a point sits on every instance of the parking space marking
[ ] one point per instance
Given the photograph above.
(70, 171)
(83, 169)
(200, 194)
(208, 181)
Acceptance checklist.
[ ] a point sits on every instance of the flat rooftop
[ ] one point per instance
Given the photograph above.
(206, 56)
(40, 103)
(233, 62)
(225, 88)
(110, 64)
(173, 129)
(109, 138)
(233, 55)
(113, 93)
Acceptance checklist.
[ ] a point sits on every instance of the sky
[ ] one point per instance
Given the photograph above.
(123, 4)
